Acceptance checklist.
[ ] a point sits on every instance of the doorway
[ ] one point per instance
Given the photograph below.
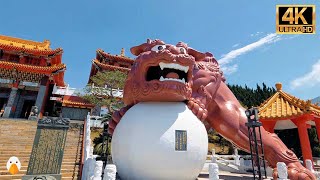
(26, 108)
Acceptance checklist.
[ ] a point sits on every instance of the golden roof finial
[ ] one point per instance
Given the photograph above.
(306, 105)
(122, 52)
(279, 86)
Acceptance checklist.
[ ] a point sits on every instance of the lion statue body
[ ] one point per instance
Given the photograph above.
(177, 73)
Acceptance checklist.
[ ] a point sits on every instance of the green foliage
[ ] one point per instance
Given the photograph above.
(98, 147)
(314, 142)
(101, 91)
(249, 97)
(106, 117)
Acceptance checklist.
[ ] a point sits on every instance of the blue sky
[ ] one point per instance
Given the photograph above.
(241, 34)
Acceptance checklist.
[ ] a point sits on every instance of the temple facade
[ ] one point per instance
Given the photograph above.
(28, 72)
(107, 62)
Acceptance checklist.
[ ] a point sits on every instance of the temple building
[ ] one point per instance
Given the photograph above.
(284, 111)
(28, 72)
(107, 62)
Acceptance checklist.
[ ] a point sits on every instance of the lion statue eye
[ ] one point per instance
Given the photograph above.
(183, 50)
(158, 48)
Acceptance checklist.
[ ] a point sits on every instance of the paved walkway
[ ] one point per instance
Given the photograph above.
(223, 175)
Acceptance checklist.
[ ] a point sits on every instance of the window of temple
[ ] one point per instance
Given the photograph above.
(125, 66)
(1, 53)
(14, 58)
(27, 60)
(36, 62)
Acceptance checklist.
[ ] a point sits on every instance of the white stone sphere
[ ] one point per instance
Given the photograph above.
(143, 143)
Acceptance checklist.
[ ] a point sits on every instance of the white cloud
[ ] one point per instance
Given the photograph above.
(256, 34)
(229, 69)
(228, 58)
(235, 45)
(309, 79)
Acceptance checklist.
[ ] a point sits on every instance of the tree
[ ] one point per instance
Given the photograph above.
(104, 90)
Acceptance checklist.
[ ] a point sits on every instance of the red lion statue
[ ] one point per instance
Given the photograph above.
(164, 72)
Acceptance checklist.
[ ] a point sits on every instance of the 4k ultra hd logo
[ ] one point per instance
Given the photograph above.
(296, 19)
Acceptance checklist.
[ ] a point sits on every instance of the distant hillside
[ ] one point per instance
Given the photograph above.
(316, 100)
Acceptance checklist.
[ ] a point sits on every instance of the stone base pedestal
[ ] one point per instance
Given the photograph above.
(42, 177)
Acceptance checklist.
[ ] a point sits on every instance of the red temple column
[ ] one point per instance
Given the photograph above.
(317, 122)
(22, 59)
(268, 125)
(304, 139)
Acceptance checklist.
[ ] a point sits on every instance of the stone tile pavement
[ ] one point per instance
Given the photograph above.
(223, 175)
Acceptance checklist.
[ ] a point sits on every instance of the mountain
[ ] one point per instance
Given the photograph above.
(316, 100)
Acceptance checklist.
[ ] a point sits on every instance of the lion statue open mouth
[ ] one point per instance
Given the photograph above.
(162, 72)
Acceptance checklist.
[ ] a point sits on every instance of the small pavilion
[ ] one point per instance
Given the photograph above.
(284, 111)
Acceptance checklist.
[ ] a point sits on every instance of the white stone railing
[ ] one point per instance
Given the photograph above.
(236, 163)
(59, 90)
(89, 160)
(228, 159)
(92, 169)
(96, 122)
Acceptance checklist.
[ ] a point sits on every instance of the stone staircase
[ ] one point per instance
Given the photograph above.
(16, 139)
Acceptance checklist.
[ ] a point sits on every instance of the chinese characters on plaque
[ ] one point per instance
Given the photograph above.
(181, 140)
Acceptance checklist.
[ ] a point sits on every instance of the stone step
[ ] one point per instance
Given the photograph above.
(65, 160)
(26, 158)
(10, 177)
(24, 171)
(21, 148)
(63, 166)
(27, 146)
(66, 176)
(67, 153)
(22, 152)
(18, 177)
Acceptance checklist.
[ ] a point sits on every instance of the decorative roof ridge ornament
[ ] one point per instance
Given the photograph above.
(307, 105)
(122, 52)
(279, 86)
